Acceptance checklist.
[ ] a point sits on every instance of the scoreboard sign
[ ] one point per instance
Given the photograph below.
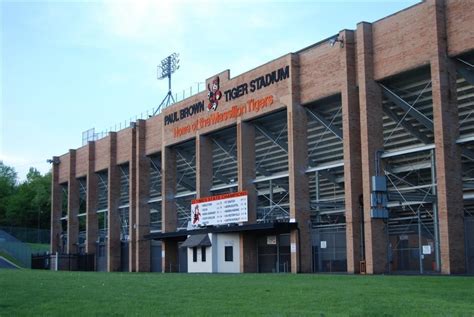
(219, 209)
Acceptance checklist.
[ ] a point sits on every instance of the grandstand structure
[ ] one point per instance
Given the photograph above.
(355, 154)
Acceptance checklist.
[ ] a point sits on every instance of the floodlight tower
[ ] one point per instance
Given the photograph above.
(167, 67)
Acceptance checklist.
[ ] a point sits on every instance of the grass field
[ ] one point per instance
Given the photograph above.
(27, 292)
(38, 247)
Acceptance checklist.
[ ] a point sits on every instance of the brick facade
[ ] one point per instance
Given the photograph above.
(429, 34)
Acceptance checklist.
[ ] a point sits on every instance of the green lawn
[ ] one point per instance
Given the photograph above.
(27, 292)
(10, 258)
(38, 247)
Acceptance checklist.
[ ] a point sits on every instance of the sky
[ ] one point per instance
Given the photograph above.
(69, 66)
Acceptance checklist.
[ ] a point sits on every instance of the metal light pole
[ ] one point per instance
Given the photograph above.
(167, 67)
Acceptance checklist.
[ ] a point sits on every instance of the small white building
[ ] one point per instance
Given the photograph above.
(213, 253)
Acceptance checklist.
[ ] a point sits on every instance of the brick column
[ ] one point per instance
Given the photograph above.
(169, 217)
(132, 210)
(246, 176)
(371, 129)
(113, 239)
(142, 249)
(92, 226)
(72, 205)
(298, 180)
(448, 155)
(55, 207)
(203, 166)
(352, 160)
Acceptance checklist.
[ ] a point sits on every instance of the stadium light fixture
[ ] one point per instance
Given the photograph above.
(167, 67)
(54, 161)
(336, 39)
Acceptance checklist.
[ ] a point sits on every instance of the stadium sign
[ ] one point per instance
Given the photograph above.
(219, 209)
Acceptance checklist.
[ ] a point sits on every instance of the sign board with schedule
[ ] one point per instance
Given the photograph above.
(219, 209)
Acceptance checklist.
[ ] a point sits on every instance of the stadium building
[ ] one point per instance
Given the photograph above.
(355, 154)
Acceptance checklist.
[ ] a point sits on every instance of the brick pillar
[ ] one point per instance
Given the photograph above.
(371, 128)
(142, 180)
(352, 160)
(448, 155)
(248, 253)
(246, 176)
(56, 195)
(132, 210)
(203, 166)
(113, 239)
(72, 205)
(169, 217)
(92, 226)
(298, 180)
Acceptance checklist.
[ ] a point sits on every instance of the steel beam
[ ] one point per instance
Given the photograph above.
(182, 179)
(465, 69)
(413, 112)
(231, 152)
(328, 125)
(407, 125)
(269, 135)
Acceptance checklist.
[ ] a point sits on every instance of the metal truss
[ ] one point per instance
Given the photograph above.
(103, 191)
(325, 163)
(187, 166)
(155, 178)
(124, 207)
(185, 181)
(224, 160)
(273, 200)
(271, 165)
(412, 199)
(64, 199)
(465, 102)
(328, 125)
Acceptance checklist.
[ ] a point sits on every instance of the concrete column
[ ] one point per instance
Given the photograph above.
(352, 159)
(298, 180)
(132, 228)
(169, 217)
(448, 155)
(92, 226)
(246, 176)
(203, 166)
(72, 205)
(55, 207)
(113, 240)
(142, 180)
(371, 129)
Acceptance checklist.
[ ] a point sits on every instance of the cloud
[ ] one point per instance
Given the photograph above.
(140, 20)
(14, 160)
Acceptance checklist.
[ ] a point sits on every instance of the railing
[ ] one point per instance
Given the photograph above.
(30, 235)
(91, 135)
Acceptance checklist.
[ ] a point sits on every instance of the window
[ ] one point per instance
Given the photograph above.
(195, 254)
(203, 254)
(229, 253)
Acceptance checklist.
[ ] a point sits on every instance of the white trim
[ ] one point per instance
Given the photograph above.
(465, 139)
(267, 178)
(185, 194)
(155, 200)
(325, 167)
(407, 151)
(224, 186)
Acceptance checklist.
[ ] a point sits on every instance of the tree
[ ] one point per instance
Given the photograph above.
(27, 204)
(7, 188)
